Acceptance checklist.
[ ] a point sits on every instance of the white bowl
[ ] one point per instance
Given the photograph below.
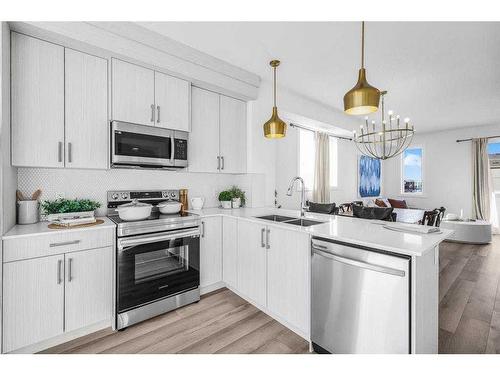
(169, 207)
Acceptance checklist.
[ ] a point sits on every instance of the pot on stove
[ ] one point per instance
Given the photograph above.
(134, 210)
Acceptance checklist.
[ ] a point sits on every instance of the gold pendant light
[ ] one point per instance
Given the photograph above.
(362, 98)
(274, 127)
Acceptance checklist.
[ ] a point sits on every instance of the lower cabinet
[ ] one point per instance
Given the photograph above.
(252, 261)
(210, 251)
(230, 251)
(45, 297)
(274, 271)
(288, 275)
(33, 301)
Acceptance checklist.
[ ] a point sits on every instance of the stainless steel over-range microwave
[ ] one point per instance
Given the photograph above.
(137, 146)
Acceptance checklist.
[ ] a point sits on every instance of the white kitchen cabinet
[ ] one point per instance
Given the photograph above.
(133, 90)
(88, 287)
(288, 276)
(33, 301)
(230, 251)
(210, 251)
(217, 142)
(252, 261)
(172, 100)
(37, 102)
(86, 110)
(233, 147)
(204, 137)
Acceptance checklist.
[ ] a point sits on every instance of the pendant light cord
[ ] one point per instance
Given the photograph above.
(274, 85)
(362, 44)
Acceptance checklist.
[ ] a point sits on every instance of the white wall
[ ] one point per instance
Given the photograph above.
(447, 170)
(272, 157)
(93, 184)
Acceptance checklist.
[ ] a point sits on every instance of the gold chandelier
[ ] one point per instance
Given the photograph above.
(274, 127)
(386, 141)
(362, 98)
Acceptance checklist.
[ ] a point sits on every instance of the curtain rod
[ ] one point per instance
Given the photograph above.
(320, 130)
(470, 139)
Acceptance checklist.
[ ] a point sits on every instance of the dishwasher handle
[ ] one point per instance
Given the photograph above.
(356, 263)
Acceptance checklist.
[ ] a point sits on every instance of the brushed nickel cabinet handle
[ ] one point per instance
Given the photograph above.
(59, 271)
(55, 244)
(158, 118)
(218, 163)
(222, 158)
(152, 113)
(262, 231)
(70, 269)
(70, 156)
(59, 151)
(202, 229)
(268, 236)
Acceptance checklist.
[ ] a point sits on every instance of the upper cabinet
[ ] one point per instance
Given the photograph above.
(218, 137)
(37, 102)
(172, 99)
(144, 96)
(86, 114)
(133, 93)
(59, 106)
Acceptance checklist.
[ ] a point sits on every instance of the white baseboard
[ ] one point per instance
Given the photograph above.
(61, 339)
(210, 288)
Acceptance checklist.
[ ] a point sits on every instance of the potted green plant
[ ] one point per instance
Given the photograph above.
(238, 197)
(225, 198)
(68, 208)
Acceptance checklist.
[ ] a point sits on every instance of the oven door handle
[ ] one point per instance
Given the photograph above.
(127, 242)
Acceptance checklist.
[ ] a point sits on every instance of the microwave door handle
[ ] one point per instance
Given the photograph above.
(172, 148)
(123, 243)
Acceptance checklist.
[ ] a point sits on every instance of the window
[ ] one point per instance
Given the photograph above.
(494, 154)
(412, 171)
(307, 155)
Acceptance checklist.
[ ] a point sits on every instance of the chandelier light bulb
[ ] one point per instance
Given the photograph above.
(407, 120)
(390, 113)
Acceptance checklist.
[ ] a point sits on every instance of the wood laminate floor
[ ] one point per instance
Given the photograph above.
(469, 294)
(221, 322)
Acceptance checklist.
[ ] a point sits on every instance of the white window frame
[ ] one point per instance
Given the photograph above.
(401, 176)
(332, 187)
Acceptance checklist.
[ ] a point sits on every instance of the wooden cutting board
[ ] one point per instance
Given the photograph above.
(58, 226)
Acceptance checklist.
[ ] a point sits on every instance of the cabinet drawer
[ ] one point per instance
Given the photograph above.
(57, 243)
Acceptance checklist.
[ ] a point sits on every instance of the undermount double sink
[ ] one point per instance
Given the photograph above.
(290, 220)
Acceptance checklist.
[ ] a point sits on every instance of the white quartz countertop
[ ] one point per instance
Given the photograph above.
(41, 228)
(369, 233)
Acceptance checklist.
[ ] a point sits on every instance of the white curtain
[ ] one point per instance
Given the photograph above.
(481, 180)
(321, 187)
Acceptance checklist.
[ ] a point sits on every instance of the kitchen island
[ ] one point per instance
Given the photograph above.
(270, 263)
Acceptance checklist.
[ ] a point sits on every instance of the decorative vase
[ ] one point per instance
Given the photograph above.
(236, 202)
(226, 204)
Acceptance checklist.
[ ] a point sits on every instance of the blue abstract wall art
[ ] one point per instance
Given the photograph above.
(368, 177)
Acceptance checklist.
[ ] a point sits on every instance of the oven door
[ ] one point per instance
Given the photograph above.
(154, 266)
(141, 145)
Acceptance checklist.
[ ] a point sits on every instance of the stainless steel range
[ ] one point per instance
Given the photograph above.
(157, 259)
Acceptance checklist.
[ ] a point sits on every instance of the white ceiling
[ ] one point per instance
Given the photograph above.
(442, 75)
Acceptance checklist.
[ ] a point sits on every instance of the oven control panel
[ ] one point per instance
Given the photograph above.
(151, 196)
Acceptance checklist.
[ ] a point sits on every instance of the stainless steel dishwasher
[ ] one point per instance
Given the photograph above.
(360, 299)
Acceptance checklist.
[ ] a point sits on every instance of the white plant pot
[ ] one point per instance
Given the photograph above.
(226, 204)
(236, 202)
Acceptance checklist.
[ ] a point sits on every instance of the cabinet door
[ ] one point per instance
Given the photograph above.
(133, 89)
(210, 251)
(172, 99)
(233, 130)
(288, 265)
(204, 136)
(252, 261)
(33, 301)
(230, 251)
(86, 112)
(89, 283)
(37, 84)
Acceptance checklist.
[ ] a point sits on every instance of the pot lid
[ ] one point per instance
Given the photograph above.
(168, 203)
(134, 203)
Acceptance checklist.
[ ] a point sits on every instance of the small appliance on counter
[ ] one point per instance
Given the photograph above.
(157, 257)
(28, 208)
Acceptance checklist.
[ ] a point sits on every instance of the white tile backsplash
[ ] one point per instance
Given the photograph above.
(93, 184)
